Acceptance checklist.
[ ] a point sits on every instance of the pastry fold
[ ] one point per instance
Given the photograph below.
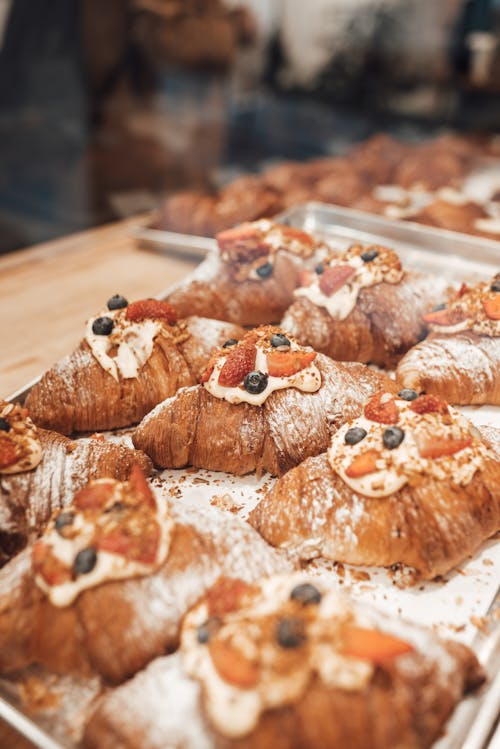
(384, 324)
(28, 499)
(116, 628)
(196, 428)
(78, 395)
(463, 368)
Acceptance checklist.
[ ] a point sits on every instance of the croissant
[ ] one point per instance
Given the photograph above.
(103, 591)
(460, 359)
(253, 277)
(289, 663)
(411, 481)
(362, 306)
(133, 356)
(265, 404)
(41, 470)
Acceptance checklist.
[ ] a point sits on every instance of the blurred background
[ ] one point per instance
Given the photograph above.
(107, 108)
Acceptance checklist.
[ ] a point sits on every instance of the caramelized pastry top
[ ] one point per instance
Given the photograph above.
(122, 337)
(249, 249)
(400, 439)
(112, 530)
(263, 361)
(338, 281)
(258, 647)
(475, 308)
(20, 446)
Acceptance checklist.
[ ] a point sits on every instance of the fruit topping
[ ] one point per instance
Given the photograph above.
(94, 496)
(239, 363)
(117, 301)
(426, 404)
(334, 278)
(206, 631)
(232, 666)
(369, 255)
(407, 394)
(306, 594)
(151, 309)
(495, 285)
(372, 645)
(445, 317)
(255, 382)
(382, 408)
(393, 437)
(288, 363)
(319, 269)
(53, 571)
(85, 561)
(439, 447)
(278, 340)
(102, 326)
(265, 270)
(8, 452)
(242, 240)
(136, 542)
(363, 464)
(492, 307)
(290, 632)
(64, 520)
(229, 343)
(354, 435)
(438, 307)
(4, 425)
(226, 595)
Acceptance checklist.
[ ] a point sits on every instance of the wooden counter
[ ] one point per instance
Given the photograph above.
(48, 291)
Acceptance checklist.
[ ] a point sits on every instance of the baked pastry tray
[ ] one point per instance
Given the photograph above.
(465, 605)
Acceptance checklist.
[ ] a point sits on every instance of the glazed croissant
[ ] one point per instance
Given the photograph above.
(45, 471)
(335, 674)
(460, 359)
(121, 601)
(253, 277)
(275, 429)
(361, 306)
(424, 493)
(131, 359)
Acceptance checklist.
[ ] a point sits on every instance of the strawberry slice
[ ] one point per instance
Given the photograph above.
(290, 232)
(232, 666)
(151, 309)
(438, 447)
(382, 411)
(225, 595)
(239, 363)
(140, 487)
(49, 567)
(287, 363)
(372, 645)
(135, 547)
(426, 404)
(335, 277)
(492, 307)
(363, 464)
(445, 317)
(8, 452)
(94, 496)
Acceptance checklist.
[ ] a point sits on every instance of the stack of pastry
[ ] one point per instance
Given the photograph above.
(189, 627)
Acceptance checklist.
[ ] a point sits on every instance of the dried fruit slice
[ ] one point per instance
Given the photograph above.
(239, 363)
(372, 645)
(440, 448)
(290, 232)
(135, 544)
(382, 408)
(426, 404)
(151, 309)
(445, 317)
(47, 566)
(492, 307)
(232, 666)
(363, 464)
(287, 363)
(226, 594)
(95, 495)
(335, 277)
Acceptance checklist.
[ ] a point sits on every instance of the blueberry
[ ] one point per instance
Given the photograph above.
(305, 593)
(117, 301)
(438, 307)
(206, 630)
(85, 561)
(393, 437)
(290, 632)
(255, 382)
(278, 339)
(102, 326)
(4, 425)
(264, 270)
(407, 394)
(369, 255)
(320, 269)
(63, 520)
(495, 286)
(354, 435)
(230, 342)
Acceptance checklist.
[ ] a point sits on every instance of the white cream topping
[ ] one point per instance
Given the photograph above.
(108, 566)
(340, 303)
(404, 463)
(308, 380)
(235, 711)
(133, 342)
(474, 313)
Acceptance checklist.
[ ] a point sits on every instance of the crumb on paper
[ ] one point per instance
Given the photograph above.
(459, 600)
(481, 623)
(488, 562)
(199, 480)
(360, 575)
(225, 502)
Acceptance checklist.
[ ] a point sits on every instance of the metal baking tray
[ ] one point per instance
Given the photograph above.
(466, 604)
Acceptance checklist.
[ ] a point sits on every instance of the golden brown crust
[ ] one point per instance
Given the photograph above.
(431, 527)
(28, 499)
(195, 428)
(386, 322)
(463, 368)
(78, 395)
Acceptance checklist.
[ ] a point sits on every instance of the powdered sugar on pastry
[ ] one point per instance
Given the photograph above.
(399, 441)
(475, 308)
(338, 281)
(20, 446)
(264, 361)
